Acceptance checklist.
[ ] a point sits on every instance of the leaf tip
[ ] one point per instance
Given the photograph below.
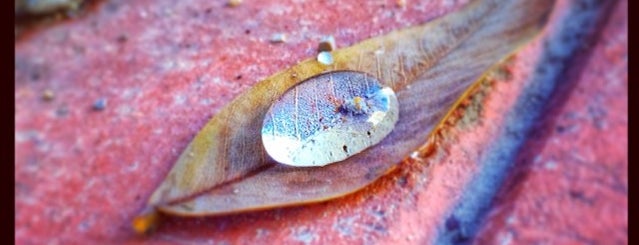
(146, 222)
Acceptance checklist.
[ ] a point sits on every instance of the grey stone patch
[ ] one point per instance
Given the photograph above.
(179, 99)
(344, 226)
(550, 165)
(100, 104)
(206, 101)
(259, 232)
(23, 136)
(305, 235)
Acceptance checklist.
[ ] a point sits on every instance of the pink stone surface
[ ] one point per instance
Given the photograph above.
(570, 185)
(166, 67)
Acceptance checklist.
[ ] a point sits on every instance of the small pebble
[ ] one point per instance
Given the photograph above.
(234, 3)
(325, 58)
(48, 95)
(278, 38)
(121, 38)
(62, 111)
(326, 44)
(100, 104)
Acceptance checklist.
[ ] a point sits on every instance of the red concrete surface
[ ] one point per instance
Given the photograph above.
(166, 67)
(570, 185)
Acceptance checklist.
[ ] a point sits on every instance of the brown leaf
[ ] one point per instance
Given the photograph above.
(225, 168)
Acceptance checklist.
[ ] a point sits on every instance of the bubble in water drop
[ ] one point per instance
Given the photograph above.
(329, 118)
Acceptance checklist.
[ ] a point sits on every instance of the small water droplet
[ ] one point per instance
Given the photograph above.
(325, 58)
(278, 38)
(329, 118)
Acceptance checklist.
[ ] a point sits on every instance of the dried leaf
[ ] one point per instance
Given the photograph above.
(225, 168)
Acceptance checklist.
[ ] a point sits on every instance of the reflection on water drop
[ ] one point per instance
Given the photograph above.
(328, 118)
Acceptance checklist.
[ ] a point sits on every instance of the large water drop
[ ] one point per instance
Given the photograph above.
(328, 118)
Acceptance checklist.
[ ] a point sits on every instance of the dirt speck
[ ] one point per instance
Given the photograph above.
(48, 95)
(326, 44)
(234, 3)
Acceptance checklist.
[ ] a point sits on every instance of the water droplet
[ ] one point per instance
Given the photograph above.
(325, 58)
(278, 38)
(329, 118)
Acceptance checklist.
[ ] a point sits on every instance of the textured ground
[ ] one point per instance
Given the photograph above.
(525, 164)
